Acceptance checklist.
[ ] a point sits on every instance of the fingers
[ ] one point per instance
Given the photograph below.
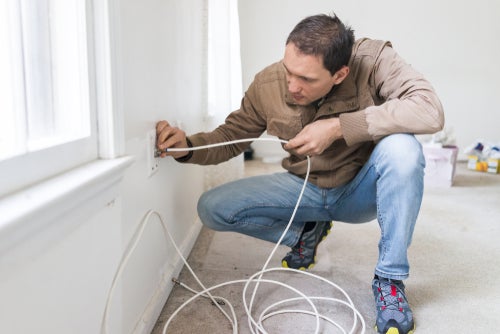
(304, 145)
(290, 145)
(315, 137)
(163, 132)
(167, 137)
(301, 145)
(296, 146)
(161, 125)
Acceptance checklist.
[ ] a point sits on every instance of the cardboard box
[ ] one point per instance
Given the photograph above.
(440, 165)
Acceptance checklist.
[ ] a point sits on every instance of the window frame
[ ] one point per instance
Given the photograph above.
(107, 141)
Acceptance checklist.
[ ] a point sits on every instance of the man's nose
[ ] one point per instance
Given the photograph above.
(293, 86)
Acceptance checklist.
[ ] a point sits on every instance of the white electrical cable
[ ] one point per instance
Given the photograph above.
(236, 141)
(129, 251)
(256, 327)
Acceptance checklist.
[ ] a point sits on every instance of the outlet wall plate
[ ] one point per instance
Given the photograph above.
(152, 162)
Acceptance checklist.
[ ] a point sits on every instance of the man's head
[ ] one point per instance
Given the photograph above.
(316, 56)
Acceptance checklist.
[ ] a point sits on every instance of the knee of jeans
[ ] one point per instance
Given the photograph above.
(403, 153)
(207, 212)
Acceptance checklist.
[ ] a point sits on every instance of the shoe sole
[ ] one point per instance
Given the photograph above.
(284, 263)
(394, 330)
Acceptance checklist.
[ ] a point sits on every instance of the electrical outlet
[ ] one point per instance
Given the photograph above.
(153, 163)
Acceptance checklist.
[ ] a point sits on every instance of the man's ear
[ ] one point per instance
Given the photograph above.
(340, 75)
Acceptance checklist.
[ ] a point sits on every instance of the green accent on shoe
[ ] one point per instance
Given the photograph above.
(303, 255)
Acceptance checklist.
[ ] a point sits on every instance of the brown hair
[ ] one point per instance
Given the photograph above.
(325, 36)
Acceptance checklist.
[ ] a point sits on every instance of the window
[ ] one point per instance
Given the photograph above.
(47, 90)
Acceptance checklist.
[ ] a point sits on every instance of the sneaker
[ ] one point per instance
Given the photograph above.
(394, 315)
(303, 254)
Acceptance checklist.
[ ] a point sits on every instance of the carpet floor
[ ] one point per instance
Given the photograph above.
(454, 286)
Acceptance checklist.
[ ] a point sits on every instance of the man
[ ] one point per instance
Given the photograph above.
(353, 107)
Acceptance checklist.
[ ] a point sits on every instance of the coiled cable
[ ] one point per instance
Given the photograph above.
(256, 326)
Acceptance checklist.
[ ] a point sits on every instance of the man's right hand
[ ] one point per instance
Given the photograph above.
(170, 137)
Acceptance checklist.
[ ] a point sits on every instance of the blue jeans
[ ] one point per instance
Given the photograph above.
(389, 187)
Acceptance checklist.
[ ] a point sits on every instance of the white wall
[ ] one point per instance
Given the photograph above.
(57, 279)
(452, 43)
(162, 58)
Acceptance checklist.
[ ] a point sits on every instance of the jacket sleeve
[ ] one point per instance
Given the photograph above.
(410, 104)
(246, 122)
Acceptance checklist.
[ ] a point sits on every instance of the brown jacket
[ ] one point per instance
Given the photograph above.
(381, 95)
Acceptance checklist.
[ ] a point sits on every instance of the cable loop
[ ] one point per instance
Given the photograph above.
(256, 327)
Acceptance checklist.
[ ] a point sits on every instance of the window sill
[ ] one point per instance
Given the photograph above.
(29, 211)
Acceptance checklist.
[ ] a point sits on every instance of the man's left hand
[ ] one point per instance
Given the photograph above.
(315, 138)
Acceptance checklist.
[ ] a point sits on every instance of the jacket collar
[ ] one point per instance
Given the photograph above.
(344, 97)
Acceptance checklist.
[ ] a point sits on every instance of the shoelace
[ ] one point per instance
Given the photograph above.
(390, 296)
(298, 249)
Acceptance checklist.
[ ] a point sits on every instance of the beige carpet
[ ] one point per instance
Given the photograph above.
(454, 285)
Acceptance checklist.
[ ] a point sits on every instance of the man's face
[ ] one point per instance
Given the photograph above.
(308, 80)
